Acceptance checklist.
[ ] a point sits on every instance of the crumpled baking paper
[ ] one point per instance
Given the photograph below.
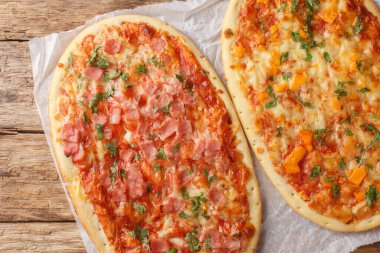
(283, 230)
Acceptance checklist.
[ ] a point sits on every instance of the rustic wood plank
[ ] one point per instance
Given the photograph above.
(40, 237)
(25, 19)
(29, 184)
(374, 248)
(17, 108)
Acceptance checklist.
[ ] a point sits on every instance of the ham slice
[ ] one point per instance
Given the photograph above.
(148, 150)
(119, 191)
(115, 115)
(112, 46)
(158, 44)
(127, 155)
(177, 109)
(216, 196)
(131, 114)
(159, 245)
(94, 73)
(71, 138)
(167, 128)
(70, 148)
(69, 133)
(173, 205)
(136, 184)
(79, 155)
(99, 118)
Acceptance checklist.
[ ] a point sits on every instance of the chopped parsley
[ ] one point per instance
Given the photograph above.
(184, 215)
(348, 132)
(98, 61)
(107, 77)
(272, 103)
(340, 93)
(141, 234)
(189, 172)
(137, 157)
(139, 208)
(358, 26)
(342, 164)
(156, 62)
(122, 173)
(369, 127)
(315, 171)
(157, 167)
(372, 143)
(98, 97)
(371, 195)
(112, 148)
(196, 204)
(99, 131)
(209, 179)
(344, 120)
(327, 57)
(193, 242)
(294, 4)
(278, 131)
(287, 75)
(70, 60)
(172, 250)
(175, 148)
(306, 104)
(364, 90)
(335, 190)
(85, 118)
(282, 8)
(184, 193)
(309, 56)
(141, 68)
(312, 5)
(179, 77)
(124, 76)
(359, 65)
(284, 57)
(161, 154)
(329, 179)
(207, 244)
(113, 170)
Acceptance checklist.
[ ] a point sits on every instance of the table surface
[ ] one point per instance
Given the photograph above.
(34, 213)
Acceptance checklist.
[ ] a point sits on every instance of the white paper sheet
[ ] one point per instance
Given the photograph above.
(283, 230)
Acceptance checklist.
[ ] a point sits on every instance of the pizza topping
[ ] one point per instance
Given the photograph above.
(312, 90)
(159, 246)
(112, 46)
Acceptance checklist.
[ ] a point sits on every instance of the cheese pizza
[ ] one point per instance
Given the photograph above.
(148, 143)
(304, 77)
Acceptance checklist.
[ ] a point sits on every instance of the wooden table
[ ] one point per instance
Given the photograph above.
(34, 213)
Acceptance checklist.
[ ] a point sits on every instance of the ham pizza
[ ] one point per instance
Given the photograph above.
(304, 77)
(149, 145)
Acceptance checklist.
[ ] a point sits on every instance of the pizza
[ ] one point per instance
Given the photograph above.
(148, 143)
(304, 77)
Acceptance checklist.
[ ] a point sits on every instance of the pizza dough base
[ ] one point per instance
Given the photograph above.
(70, 173)
(243, 107)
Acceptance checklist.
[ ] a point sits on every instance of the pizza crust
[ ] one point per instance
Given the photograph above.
(243, 107)
(69, 172)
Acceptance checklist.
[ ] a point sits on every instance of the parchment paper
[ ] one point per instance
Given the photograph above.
(283, 230)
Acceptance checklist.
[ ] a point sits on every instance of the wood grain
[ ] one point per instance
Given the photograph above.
(62, 237)
(17, 108)
(23, 19)
(29, 184)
